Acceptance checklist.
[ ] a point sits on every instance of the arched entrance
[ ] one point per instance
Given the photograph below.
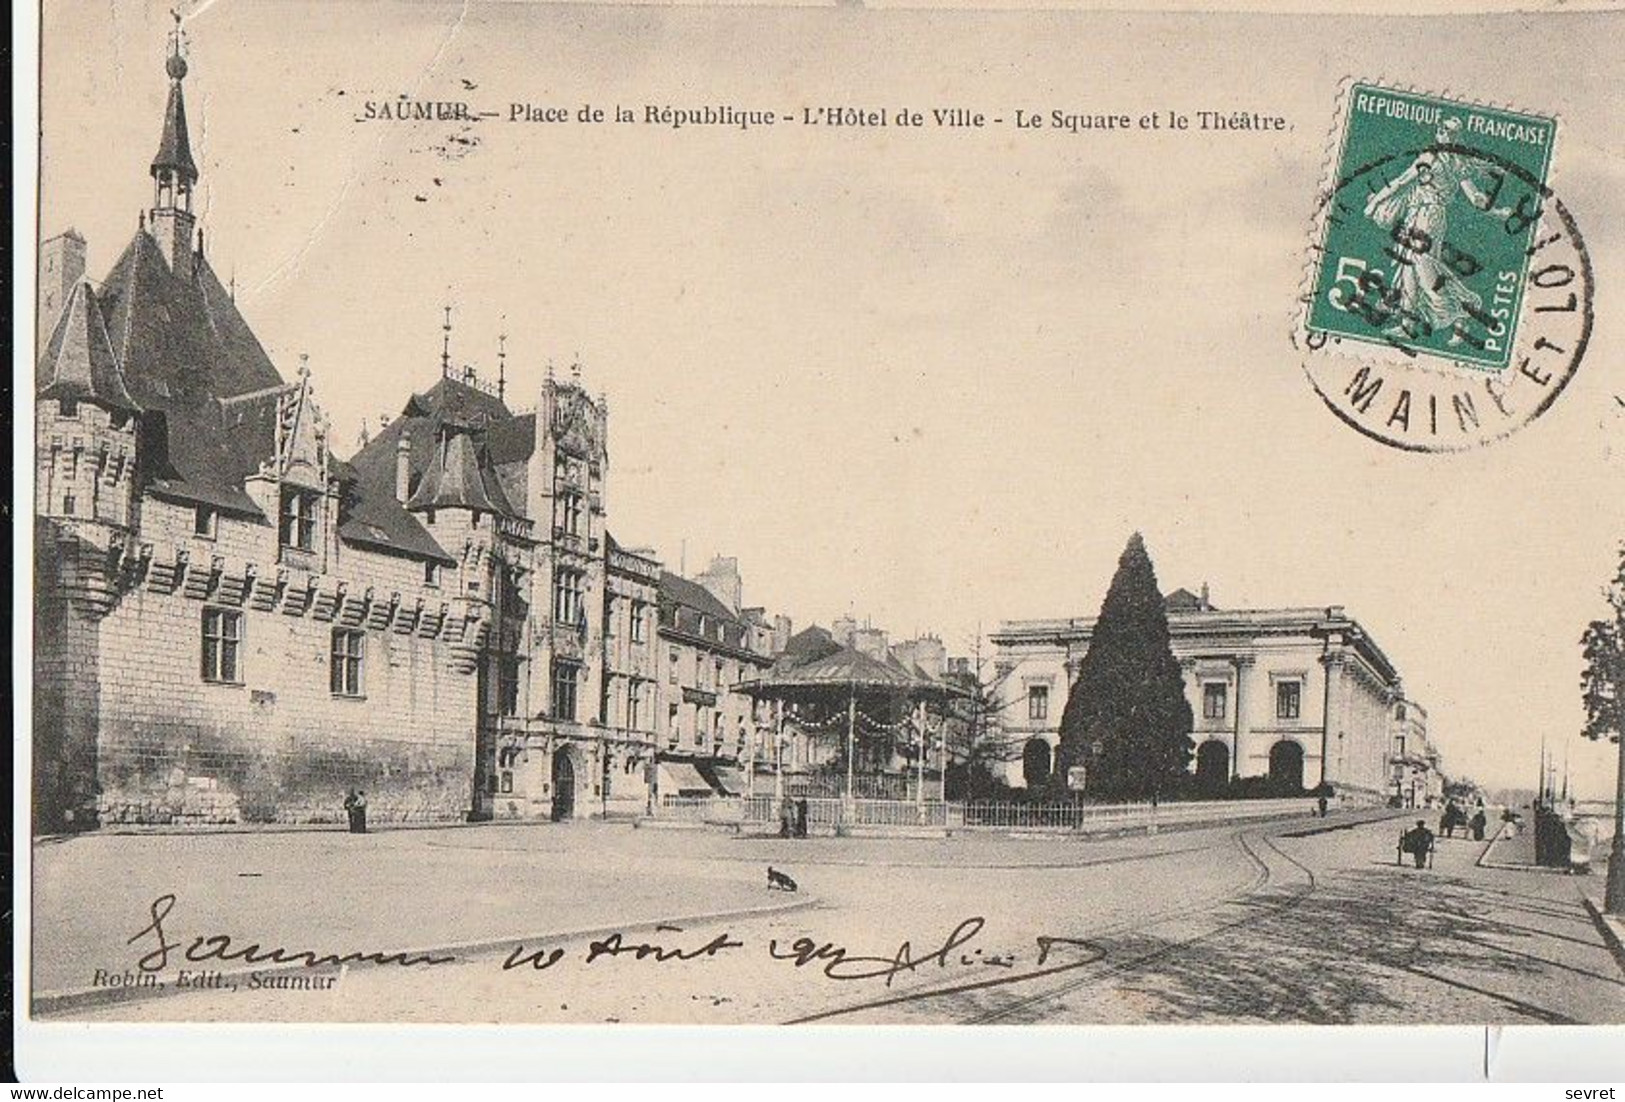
(1035, 763)
(1213, 763)
(1286, 765)
(564, 785)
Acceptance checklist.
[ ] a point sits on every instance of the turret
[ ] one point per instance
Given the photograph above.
(174, 173)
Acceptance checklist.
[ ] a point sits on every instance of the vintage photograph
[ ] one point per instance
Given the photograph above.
(595, 514)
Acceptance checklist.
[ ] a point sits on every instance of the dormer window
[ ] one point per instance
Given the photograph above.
(206, 522)
(431, 574)
(298, 529)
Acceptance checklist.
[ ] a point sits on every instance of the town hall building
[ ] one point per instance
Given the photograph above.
(233, 624)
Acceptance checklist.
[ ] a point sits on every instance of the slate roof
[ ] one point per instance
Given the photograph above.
(370, 516)
(466, 476)
(179, 340)
(813, 660)
(455, 477)
(79, 363)
(676, 590)
(175, 147)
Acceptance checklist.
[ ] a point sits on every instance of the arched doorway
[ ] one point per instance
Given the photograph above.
(1286, 765)
(1035, 763)
(1213, 763)
(564, 785)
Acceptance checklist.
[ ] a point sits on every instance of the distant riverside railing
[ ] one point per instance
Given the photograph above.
(825, 813)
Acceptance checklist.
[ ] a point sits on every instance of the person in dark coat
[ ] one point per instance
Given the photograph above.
(1418, 842)
(787, 817)
(355, 806)
(801, 817)
(1480, 822)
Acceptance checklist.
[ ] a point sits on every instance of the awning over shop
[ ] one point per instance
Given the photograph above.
(679, 778)
(730, 780)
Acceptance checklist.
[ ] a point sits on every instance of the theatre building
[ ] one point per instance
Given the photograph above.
(1298, 695)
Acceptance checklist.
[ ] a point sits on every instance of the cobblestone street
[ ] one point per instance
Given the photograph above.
(1284, 922)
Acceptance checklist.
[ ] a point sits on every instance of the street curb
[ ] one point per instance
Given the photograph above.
(140, 830)
(1484, 861)
(86, 998)
(1611, 928)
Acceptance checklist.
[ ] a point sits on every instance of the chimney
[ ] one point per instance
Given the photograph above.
(61, 267)
(1207, 605)
(403, 468)
(722, 580)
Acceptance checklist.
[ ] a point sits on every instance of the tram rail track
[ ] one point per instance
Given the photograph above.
(1262, 877)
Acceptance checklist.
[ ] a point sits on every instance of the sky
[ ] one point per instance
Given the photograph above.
(933, 378)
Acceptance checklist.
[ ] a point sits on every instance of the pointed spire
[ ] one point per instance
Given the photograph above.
(445, 344)
(173, 168)
(79, 363)
(502, 364)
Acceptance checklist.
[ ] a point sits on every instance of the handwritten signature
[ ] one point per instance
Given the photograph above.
(955, 955)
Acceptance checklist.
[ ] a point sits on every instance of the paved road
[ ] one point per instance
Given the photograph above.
(1263, 923)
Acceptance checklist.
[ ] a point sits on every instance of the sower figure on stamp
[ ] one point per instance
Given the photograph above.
(1415, 206)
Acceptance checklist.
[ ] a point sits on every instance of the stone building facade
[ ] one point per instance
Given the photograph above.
(710, 732)
(229, 626)
(1300, 695)
(233, 624)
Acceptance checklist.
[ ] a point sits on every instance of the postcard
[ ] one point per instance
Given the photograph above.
(553, 514)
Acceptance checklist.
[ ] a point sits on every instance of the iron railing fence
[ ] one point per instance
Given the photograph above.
(832, 812)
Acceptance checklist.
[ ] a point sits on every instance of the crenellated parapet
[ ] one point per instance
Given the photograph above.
(96, 574)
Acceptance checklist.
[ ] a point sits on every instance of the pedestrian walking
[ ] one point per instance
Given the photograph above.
(1418, 842)
(787, 817)
(1320, 804)
(1480, 822)
(801, 817)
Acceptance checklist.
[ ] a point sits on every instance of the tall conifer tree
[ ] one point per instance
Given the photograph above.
(1126, 718)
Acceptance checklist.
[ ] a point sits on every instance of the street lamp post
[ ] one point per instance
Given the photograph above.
(1614, 893)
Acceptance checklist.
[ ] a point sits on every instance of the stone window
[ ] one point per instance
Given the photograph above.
(1215, 700)
(567, 510)
(567, 605)
(222, 646)
(639, 610)
(69, 505)
(1288, 699)
(508, 685)
(431, 574)
(675, 659)
(566, 682)
(349, 654)
(206, 522)
(673, 726)
(1038, 702)
(634, 705)
(299, 519)
(609, 617)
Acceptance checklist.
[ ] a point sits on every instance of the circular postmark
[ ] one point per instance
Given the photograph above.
(1463, 310)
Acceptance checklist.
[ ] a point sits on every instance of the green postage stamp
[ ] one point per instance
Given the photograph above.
(1440, 250)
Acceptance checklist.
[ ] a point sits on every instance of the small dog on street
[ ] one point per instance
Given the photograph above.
(778, 881)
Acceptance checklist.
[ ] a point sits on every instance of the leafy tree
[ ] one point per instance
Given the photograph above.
(1602, 683)
(974, 728)
(1602, 689)
(1126, 718)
